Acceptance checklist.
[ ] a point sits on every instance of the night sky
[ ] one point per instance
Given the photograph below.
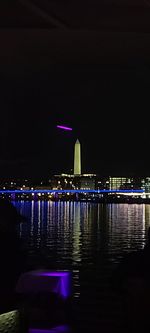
(106, 102)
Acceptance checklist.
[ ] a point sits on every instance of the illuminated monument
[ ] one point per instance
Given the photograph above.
(77, 158)
(75, 180)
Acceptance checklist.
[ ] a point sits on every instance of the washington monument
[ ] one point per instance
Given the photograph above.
(77, 158)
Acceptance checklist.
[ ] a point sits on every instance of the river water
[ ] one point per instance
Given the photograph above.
(87, 238)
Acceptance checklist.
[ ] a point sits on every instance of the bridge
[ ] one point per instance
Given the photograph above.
(69, 194)
(49, 191)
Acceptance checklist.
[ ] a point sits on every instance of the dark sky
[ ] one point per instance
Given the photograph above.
(106, 102)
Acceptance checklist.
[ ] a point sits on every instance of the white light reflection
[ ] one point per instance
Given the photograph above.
(127, 223)
(147, 219)
(39, 224)
(32, 218)
(48, 215)
(21, 210)
(76, 252)
(143, 226)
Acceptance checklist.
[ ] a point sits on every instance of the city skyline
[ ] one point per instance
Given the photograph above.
(91, 74)
(74, 165)
(106, 108)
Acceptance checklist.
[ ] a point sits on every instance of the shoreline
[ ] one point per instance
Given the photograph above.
(102, 201)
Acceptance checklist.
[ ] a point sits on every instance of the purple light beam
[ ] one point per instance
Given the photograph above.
(64, 128)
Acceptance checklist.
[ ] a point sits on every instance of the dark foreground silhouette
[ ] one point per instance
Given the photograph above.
(12, 255)
(131, 280)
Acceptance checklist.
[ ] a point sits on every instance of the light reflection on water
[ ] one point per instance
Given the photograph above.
(74, 235)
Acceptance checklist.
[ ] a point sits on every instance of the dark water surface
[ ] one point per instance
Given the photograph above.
(90, 240)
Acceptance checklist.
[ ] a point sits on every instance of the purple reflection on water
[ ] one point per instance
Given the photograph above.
(58, 282)
(57, 329)
(52, 274)
(64, 283)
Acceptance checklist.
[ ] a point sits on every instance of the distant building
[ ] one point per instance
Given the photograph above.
(147, 184)
(62, 182)
(77, 180)
(102, 183)
(90, 181)
(74, 182)
(122, 183)
(117, 183)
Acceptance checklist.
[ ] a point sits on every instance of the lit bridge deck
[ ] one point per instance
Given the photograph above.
(49, 191)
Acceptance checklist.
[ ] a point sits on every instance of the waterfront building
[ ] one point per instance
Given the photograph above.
(137, 183)
(62, 182)
(145, 185)
(74, 182)
(88, 182)
(102, 183)
(117, 183)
